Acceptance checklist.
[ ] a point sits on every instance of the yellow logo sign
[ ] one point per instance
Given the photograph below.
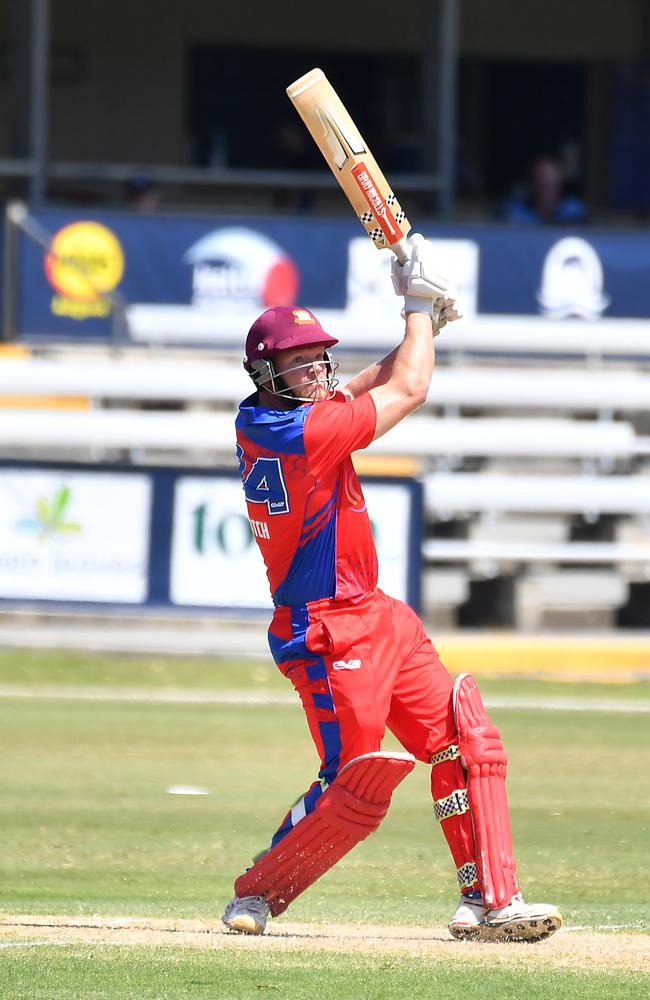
(86, 260)
(302, 316)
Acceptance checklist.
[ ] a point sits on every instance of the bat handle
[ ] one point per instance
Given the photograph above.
(400, 250)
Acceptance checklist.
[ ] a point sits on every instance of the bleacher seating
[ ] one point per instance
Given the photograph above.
(511, 458)
(360, 330)
(486, 387)
(419, 436)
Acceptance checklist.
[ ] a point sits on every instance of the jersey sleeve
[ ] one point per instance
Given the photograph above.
(337, 427)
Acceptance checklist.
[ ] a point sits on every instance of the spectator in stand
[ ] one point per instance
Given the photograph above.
(545, 199)
(142, 193)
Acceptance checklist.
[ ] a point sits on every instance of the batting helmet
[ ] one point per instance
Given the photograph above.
(276, 330)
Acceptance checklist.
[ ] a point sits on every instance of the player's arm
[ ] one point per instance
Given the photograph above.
(369, 378)
(411, 369)
(424, 291)
(407, 374)
(334, 429)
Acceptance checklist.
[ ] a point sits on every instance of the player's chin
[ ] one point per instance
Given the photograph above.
(315, 393)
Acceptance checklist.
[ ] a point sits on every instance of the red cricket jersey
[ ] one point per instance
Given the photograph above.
(305, 504)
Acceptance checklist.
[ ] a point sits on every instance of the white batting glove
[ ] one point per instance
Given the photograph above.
(424, 290)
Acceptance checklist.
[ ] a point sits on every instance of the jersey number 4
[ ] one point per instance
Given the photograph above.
(265, 484)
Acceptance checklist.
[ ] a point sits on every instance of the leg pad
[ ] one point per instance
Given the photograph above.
(352, 807)
(483, 755)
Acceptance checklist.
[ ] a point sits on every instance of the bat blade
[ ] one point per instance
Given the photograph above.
(350, 160)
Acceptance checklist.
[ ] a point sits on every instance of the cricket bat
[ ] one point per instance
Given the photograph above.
(351, 162)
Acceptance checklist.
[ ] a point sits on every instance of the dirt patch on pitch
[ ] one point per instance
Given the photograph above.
(569, 948)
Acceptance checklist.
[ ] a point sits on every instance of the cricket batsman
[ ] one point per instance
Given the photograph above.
(359, 659)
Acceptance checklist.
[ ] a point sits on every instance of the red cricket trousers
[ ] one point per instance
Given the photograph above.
(362, 666)
(381, 670)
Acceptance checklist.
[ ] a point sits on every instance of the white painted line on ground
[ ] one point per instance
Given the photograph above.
(553, 704)
(182, 696)
(171, 696)
(32, 944)
(187, 790)
(603, 927)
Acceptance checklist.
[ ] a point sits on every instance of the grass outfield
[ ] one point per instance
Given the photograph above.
(168, 973)
(89, 828)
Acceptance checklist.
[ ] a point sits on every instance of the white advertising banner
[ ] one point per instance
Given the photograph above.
(74, 536)
(370, 289)
(215, 561)
(389, 507)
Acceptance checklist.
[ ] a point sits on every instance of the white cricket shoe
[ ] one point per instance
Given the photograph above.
(247, 915)
(468, 922)
(520, 921)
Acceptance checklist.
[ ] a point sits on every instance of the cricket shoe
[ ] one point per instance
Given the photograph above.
(520, 921)
(468, 922)
(247, 915)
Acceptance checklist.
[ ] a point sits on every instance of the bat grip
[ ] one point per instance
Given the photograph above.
(400, 250)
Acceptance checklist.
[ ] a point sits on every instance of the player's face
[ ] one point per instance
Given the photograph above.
(304, 371)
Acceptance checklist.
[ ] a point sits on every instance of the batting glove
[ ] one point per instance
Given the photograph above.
(424, 290)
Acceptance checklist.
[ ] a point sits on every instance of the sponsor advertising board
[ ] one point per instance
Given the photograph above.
(215, 560)
(74, 536)
(165, 536)
(191, 267)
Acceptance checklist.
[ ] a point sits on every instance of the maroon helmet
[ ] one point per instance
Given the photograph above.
(276, 330)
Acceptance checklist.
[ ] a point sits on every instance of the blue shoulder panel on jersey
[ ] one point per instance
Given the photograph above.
(279, 431)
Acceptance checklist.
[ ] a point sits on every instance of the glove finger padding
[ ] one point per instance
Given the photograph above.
(440, 314)
(448, 313)
(424, 290)
(417, 275)
(400, 271)
(423, 281)
(398, 277)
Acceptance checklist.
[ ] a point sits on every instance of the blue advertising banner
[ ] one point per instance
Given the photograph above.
(243, 265)
(174, 260)
(593, 273)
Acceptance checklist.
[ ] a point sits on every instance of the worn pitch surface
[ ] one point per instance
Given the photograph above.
(572, 948)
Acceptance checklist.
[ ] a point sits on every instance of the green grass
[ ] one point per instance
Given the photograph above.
(95, 973)
(70, 669)
(88, 827)
(88, 823)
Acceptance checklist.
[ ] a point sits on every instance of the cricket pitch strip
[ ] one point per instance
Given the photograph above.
(605, 949)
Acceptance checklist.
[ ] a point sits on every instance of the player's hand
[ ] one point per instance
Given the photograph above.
(447, 314)
(424, 290)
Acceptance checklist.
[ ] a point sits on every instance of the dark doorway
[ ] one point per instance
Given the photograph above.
(513, 111)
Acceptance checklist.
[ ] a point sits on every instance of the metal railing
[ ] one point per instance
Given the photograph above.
(209, 176)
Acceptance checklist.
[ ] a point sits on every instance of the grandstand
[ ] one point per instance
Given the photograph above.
(123, 316)
(536, 472)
